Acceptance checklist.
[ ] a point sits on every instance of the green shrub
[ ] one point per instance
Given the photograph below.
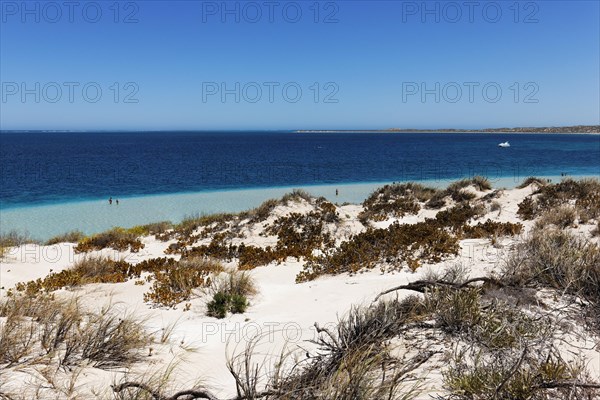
(239, 304)
(230, 292)
(219, 305)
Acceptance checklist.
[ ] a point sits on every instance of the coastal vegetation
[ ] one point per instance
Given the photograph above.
(583, 195)
(117, 238)
(497, 333)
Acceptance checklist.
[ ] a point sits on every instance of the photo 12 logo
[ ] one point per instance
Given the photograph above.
(52, 12)
(271, 92)
(266, 332)
(452, 12)
(471, 92)
(69, 92)
(252, 12)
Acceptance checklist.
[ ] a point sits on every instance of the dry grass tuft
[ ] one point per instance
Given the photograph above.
(562, 217)
(559, 260)
(532, 180)
(69, 237)
(44, 330)
(13, 239)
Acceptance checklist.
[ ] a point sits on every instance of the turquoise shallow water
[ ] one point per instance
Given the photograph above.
(92, 216)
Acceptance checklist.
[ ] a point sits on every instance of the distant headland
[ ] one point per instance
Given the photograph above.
(553, 129)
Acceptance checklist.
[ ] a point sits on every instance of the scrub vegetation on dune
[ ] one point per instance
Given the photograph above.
(409, 245)
(118, 239)
(583, 196)
(492, 350)
(511, 332)
(395, 200)
(298, 235)
(457, 192)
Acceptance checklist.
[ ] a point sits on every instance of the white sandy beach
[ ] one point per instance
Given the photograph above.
(283, 312)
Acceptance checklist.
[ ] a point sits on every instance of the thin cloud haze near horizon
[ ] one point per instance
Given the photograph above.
(298, 65)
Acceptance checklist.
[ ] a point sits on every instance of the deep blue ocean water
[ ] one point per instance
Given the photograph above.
(52, 167)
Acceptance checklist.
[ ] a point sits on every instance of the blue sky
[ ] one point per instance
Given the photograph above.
(298, 65)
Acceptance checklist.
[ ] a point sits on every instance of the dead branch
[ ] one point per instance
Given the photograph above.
(191, 394)
(568, 384)
(512, 372)
(422, 285)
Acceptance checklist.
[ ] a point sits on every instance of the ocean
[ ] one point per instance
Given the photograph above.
(52, 182)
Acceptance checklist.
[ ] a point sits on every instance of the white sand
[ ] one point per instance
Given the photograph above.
(283, 312)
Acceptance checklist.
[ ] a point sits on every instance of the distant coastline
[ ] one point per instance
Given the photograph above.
(593, 129)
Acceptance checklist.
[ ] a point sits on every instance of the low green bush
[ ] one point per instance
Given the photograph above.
(218, 306)
(222, 303)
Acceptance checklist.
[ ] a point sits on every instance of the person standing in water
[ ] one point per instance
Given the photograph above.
(110, 201)
(117, 201)
(336, 192)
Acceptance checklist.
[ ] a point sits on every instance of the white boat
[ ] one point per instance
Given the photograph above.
(505, 144)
